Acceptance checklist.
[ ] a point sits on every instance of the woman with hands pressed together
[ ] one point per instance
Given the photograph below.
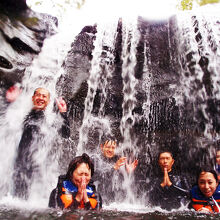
(75, 189)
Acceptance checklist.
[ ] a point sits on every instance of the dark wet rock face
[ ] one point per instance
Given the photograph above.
(4, 63)
(14, 5)
(22, 32)
(166, 116)
(77, 63)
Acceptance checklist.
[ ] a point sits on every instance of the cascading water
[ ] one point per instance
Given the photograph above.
(136, 91)
(100, 74)
(200, 58)
(44, 72)
(130, 41)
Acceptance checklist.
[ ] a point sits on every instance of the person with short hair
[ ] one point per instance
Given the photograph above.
(205, 196)
(32, 137)
(75, 189)
(108, 150)
(169, 190)
(110, 167)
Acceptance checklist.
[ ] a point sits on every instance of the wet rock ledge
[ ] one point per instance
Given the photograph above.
(22, 33)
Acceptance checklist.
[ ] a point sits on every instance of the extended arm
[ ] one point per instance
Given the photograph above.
(62, 106)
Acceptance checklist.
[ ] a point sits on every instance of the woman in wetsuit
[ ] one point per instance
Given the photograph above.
(75, 189)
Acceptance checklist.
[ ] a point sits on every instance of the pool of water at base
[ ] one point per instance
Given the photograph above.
(7, 213)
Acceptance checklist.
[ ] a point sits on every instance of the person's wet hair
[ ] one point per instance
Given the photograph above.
(108, 138)
(76, 162)
(165, 151)
(41, 88)
(206, 170)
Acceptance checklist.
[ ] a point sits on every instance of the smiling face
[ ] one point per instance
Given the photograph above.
(207, 184)
(109, 149)
(40, 99)
(166, 161)
(80, 174)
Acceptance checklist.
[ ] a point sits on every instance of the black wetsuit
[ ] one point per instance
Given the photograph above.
(30, 140)
(169, 197)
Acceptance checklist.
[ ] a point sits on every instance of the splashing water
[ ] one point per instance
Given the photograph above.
(199, 57)
(46, 69)
(43, 72)
(99, 75)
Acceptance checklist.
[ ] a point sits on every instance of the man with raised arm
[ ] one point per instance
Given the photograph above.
(107, 169)
(108, 150)
(32, 136)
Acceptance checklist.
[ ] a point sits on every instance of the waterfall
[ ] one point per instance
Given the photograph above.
(100, 74)
(44, 72)
(199, 57)
(130, 41)
(146, 86)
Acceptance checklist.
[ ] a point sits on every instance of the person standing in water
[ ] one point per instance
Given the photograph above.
(31, 137)
(109, 166)
(75, 189)
(169, 190)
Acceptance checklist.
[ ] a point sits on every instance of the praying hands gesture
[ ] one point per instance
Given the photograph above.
(166, 179)
(82, 193)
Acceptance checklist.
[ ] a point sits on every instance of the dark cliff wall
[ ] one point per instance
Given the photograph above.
(22, 33)
(167, 124)
(157, 49)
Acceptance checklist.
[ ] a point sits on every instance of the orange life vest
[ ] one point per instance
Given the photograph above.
(67, 196)
(199, 200)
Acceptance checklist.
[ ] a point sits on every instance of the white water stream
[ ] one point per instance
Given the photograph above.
(45, 71)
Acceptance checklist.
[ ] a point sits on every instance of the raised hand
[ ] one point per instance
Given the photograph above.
(61, 104)
(130, 167)
(12, 93)
(120, 162)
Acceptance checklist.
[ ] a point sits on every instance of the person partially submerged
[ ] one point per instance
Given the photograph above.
(75, 189)
(169, 190)
(108, 150)
(205, 196)
(110, 167)
(32, 137)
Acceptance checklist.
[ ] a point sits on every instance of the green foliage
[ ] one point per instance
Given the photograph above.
(80, 4)
(38, 3)
(204, 2)
(186, 5)
(29, 22)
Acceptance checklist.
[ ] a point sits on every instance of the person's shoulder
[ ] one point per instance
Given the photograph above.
(61, 178)
(196, 193)
(216, 194)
